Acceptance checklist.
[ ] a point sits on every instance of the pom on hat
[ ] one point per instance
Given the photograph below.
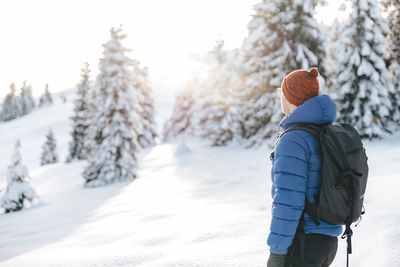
(313, 72)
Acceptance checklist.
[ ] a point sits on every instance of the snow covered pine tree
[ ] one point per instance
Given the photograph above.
(283, 36)
(45, 98)
(392, 8)
(27, 101)
(180, 121)
(214, 113)
(12, 106)
(117, 120)
(49, 154)
(362, 82)
(206, 107)
(80, 119)
(18, 188)
(92, 137)
(146, 102)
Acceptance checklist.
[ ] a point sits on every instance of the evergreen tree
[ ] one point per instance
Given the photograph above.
(18, 188)
(28, 103)
(394, 69)
(334, 35)
(92, 137)
(49, 154)
(45, 98)
(80, 118)
(180, 120)
(362, 82)
(283, 36)
(117, 120)
(207, 107)
(214, 116)
(12, 106)
(146, 102)
(392, 7)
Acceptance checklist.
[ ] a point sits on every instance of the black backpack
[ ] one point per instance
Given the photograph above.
(344, 174)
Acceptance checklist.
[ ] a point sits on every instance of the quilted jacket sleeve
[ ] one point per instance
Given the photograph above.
(289, 173)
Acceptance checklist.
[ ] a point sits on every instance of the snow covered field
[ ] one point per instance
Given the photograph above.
(191, 205)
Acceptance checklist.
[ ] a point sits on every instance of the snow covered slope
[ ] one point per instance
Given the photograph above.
(190, 206)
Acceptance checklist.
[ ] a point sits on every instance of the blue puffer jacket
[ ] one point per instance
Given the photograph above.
(296, 173)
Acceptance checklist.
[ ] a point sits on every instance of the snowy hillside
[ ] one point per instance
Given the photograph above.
(190, 206)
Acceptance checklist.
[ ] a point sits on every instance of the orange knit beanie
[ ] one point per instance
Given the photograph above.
(300, 85)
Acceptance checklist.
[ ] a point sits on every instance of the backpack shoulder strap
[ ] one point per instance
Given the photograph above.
(311, 128)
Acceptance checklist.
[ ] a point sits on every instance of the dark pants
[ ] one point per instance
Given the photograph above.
(318, 251)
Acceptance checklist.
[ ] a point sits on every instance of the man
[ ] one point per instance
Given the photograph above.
(296, 175)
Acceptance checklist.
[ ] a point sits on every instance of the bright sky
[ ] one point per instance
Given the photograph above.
(47, 41)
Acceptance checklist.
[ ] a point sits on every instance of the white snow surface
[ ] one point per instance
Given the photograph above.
(198, 206)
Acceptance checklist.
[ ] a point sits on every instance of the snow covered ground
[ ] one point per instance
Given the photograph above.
(191, 206)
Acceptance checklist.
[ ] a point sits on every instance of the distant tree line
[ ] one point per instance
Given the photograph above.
(16, 105)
